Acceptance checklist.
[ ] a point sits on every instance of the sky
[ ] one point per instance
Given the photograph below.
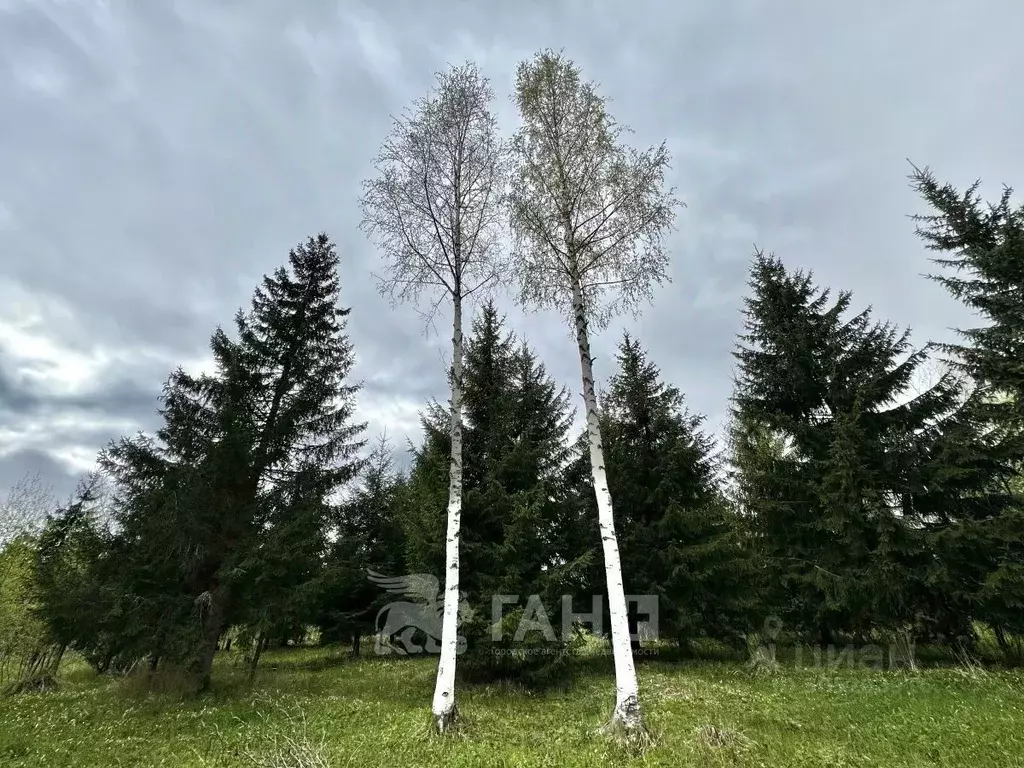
(157, 158)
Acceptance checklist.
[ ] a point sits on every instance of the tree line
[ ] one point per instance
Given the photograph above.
(851, 499)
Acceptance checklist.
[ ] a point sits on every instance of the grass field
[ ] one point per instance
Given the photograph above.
(313, 707)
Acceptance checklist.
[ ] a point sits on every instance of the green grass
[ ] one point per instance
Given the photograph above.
(373, 712)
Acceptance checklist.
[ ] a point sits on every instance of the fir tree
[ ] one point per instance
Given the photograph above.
(965, 501)
(980, 560)
(831, 392)
(67, 573)
(488, 437)
(517, 420)
(368, 537)
(982, 257)
(230, 499)
(425, 493)
(677, 538)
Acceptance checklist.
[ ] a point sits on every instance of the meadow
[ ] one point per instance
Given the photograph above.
(314, 707)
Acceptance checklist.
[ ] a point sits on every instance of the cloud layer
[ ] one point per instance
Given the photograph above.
(157, 158)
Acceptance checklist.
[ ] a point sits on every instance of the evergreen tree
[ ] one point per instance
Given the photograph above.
(982, 249)
(830, 392)
(965, 501)
(539, 422)
(67, 572)
(488, 437)
(677, 537)
(229, 501)
(425, 493)
(517, 421)
(146, 568)
(980, 553)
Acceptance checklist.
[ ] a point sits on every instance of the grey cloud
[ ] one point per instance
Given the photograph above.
(18, 465)
(157, 158)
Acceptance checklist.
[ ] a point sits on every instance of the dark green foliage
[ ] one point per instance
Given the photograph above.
(972, 516)
(224, 516)
(143, 579)
(826, 441)
(515, 448)
(980, 564)
(678, 538)
(982, 253)
(423, 501)
(859, 503)
(68, 571)
(367, 537)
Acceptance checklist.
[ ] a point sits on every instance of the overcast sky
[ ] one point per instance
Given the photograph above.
(157, 157)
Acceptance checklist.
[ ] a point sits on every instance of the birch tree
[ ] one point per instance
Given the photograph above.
(24, 508)
(589, 216)
(435, 209)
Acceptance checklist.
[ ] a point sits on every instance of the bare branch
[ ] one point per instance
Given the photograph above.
(434, 207)
(25, 507)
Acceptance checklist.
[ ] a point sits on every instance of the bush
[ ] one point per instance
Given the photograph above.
(534, 661)
(24, 640)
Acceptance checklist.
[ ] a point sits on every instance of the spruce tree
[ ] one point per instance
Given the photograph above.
(149, 564)
(426, 492)
(966, 504)
(980, 553)
(232, 492)
(677, 537)
(533, 470)
(981, 249)
(516, 448)
(488, 437)
(829, 391)
(67, 572)
(367, 537)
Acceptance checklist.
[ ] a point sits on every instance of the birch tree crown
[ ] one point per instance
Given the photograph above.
(435, 205)
(583, 206)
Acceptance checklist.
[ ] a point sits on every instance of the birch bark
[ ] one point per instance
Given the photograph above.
(436, 209)
(627, 698)
(443, 706)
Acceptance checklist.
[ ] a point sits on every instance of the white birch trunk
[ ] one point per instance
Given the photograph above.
(627, 699)
(443, 706)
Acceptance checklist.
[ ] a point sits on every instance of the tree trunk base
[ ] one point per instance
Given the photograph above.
(626, 727)
(211, 602)
(445, 723)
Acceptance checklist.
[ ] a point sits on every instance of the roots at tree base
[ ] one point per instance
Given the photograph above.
(445, 723)
(626, 726)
